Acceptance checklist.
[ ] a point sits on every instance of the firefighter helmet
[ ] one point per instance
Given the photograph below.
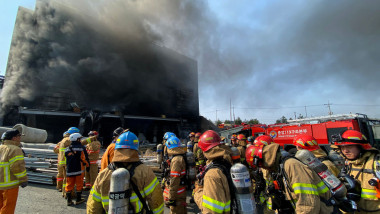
(127, 140)
(263, 140)
(65, 133)
(250, 139)
(351, 137)
(93, 133)
(208, 140)
(234, 137)
(73, 130)
(117, 132)
(173, 142)
(254, 155)
(192, 134)
(167, 135)
(198, 135)
(306, 141)
(241, 137)
(75, 137)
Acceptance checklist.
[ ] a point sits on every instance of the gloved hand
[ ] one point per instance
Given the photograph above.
(87, 169)
(24, 184)
(170, 203)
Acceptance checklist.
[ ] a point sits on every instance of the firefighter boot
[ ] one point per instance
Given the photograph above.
(69, 201)
(79, 199)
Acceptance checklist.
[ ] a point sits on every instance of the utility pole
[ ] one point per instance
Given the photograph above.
(328, 106)
(230, 112)
(295, 115)
(216, 116)
(305, 111)
(233, 111)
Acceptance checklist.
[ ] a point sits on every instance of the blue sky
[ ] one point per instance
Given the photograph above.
(272, 58)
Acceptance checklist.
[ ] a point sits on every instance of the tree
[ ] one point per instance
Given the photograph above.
(253, 121)
(238, 121)
(282, 120)
(300, 116)
(227, 122)
(218, 122)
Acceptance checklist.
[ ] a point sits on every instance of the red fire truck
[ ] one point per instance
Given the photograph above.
(320, 127)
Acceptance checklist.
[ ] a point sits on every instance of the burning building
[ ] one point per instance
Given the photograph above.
(67, 68)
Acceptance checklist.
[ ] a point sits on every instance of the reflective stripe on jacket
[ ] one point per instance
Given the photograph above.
(65, 142)
(308, 188)
(144, 179)
(368, 200)
(93, 148)
(12, 165)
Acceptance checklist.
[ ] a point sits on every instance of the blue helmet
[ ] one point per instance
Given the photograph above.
(173, 142)
(73, 130)
(65, 133)
(167, 135)
(127, 140)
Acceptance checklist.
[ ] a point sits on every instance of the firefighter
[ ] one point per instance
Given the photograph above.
(108, 154)
(175, 181)
(12, 170)
(61, 170)
(241, 146)
(234, 140)
(192, 138)
(308, 142)
(200, 159)
(76, 161)
(265, 200)
(304, 188)
(250, 140)
(126, 156)
(362, 163)
(93, 149)
(65, 142)
(212, 192)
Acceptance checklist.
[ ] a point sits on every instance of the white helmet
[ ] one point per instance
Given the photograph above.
(75, 137)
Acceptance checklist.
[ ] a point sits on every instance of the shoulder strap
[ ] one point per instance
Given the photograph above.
(136, 189)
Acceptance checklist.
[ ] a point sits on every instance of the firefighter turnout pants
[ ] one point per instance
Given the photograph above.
(8, 199)
(74, 180)
(60, 176)
(91, 175)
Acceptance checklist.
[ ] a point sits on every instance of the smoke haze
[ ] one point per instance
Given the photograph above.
(257, 53)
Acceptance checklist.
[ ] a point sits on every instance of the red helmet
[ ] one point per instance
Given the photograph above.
(241, 137)
(93, 133)
(351, 137)
(208, 140)
(305, 141)
(263, 140)
(198, 134)
(254, 152)
(233, 137)
(192, 134)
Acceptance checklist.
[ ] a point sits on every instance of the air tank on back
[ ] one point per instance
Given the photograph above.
(191, 171)
(334, 184)
(159, 153)
(118, 196)
(235, 155)
(242, 184)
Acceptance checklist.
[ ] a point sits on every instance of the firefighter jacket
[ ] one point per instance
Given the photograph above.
(264, 198)
(367, 164)
(93, 149)
(242, 145)
(175, 185)
(306, 189)
(65, 142)
(143, 177)
(12, 165)
(107, 156)
(76, 159)
(320, 154)
(215, 195)
(199, 156)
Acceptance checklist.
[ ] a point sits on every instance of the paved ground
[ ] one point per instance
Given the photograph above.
(42, 199)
